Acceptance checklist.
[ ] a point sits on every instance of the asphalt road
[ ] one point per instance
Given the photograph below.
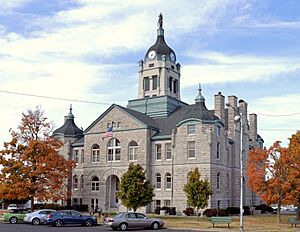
(6, 227)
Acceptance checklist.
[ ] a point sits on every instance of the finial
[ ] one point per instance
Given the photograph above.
(160, 21)
(199, 97)
(70, 108)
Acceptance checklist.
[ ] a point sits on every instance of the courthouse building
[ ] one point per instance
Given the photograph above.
(166, 136)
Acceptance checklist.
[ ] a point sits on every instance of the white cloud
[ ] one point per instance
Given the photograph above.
(8, 5)
(216, 67)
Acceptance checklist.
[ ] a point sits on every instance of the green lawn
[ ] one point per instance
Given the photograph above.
(265, 223)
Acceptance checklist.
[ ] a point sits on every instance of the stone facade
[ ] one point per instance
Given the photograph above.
(168, 141)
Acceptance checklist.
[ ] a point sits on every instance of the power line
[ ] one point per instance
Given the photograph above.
(104, 103)
(55, 98)
(276, 129)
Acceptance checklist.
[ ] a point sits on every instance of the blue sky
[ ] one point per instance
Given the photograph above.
(89, 49)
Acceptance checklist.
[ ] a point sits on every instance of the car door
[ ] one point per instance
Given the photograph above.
(66, 217)
(76, 217)
(143, 220)
(132, 220)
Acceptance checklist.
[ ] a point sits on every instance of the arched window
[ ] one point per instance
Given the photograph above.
(158, 180)
(132, 151)
(95, 184)
(168, 181)
(218, 180)
(113, 150)
(95, 153)
(81, 181)
(75, 182)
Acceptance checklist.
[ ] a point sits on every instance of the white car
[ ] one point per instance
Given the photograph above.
(12, 206)
(38, 217)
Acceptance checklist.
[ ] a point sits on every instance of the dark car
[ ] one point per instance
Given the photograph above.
(130, 220)
(63, 217)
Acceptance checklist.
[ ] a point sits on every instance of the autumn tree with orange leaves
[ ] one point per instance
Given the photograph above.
(32, 168)
(268, 174)
(294, 170)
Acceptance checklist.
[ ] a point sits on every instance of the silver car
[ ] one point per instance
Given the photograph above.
(130, 220)
(38, 217)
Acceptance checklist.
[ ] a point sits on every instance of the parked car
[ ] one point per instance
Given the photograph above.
(63, 217)
(12, 206)
(130, 220)
(15, 215)
(38, 217)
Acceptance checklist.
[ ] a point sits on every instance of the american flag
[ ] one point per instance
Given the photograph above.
(108, 133)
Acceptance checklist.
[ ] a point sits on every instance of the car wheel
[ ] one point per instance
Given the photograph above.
(155, 225)
(58, 223)
(13, 220)
(88, 222)
(36, 221)
(123, 226)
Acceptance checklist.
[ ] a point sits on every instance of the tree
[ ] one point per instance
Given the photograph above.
(294, 170)
(268, 174)
(134, 190)
(32, 168)
(197, 191)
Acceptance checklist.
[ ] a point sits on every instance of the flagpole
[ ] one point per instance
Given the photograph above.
(109, 195)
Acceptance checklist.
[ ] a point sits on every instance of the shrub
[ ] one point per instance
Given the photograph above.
(210, 212)
(233, 210)
(188, 211)
(246, 210)
(222, 212)
(157, 210)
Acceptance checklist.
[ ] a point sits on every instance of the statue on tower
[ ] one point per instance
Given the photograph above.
(160, 21)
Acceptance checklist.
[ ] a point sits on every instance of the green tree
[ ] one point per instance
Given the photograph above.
(31, 166)
(197, 191)
(134, 189)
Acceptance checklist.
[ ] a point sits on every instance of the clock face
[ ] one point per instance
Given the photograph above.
(151, 54)
(172, 56)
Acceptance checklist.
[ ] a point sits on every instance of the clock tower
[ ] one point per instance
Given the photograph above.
(159, 79)
(159, 75)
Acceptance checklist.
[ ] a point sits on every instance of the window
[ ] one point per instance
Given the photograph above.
(218, 150)
(172, 67)
(168, 151)
(191, 129)
(95, 153)
(191, 149)
(219, 204)
(158, 151)
(167, 203)
(94, 204)
(168, 181)
(75, 182)
(154, 82)
(146, 84)
(151, 65)
(157, 203)
(218, 130)
(170, 83)
(81, 181)
(175, 87)
(76, 156)
(82, 156)
(113, 150)
(158, 180)
(133, 151)
(95, 184)
(218, 180)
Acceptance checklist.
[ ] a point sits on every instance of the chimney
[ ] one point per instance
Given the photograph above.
(253, 128)
(220, 107)
(232, 100)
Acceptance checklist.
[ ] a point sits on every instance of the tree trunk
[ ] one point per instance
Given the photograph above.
(32, 203)
(278, 212)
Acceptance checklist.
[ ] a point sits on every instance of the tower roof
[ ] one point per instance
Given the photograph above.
(69, 129)
(160, 47)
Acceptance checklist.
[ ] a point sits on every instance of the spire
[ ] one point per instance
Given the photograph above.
(199, 97)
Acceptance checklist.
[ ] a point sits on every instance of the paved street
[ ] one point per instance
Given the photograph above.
(6, 227)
